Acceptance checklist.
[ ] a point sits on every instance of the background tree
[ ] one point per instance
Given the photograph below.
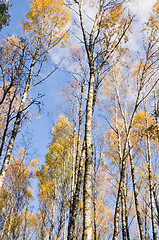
(125, 108)
(44, 29)
(55, 181)
(111, 162)
(4, 13)
(15, 198)
(108, 27)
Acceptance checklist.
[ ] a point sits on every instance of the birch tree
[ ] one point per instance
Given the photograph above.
(55, 182)
(108, 28)
(125, 110)
(44, 29)
(15, 197)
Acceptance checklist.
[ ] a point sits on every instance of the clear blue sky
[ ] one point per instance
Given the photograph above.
(51, 88)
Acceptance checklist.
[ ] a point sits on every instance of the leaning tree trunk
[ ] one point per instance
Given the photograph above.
(16, 124)
(119, 200)
(146, 232)
(13, 136)
(117, 208)
(8, 119)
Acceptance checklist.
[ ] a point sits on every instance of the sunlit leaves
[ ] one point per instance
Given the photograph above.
(58, 159)
(114, 23)
(47, 20)
(15, 197)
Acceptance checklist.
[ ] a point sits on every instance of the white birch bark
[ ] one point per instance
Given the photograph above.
(149, 158)
(78, 176)
(6, 160)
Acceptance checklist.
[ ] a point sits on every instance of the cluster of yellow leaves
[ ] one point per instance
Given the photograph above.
(151, 29)
(138, 70)
(60, 149)
(138, 133)
(19, 174)
(153, 20)
(141, 117)
(11, 49)
(139, 124)
(58, 160)
(105, 190)
(11, 46)
(111, 140)
(16, 194)
(113, 25)
(34, 165)
(47, 19)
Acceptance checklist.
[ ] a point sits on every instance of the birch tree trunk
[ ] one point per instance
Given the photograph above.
(148, 149)
(52, 218)
(13, 136)
(156, 113)
(92, 41)
(117, 215)
(117, 208)
(8, 119)
(139, 220)
(124, 234)
(16, 123)
(156, 202)
(78, 178)
(87, 191)
(146, 235)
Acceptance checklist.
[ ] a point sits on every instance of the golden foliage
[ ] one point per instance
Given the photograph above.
(56, 173)
(151, 28)
(139, 124)
(47, 20)
(15, 196)
(113, 24)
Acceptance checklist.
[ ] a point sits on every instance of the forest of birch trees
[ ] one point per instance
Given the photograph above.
(99, 179)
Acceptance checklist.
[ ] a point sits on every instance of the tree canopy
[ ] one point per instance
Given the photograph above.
(99, 177)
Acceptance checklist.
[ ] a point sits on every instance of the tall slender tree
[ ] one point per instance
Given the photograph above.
(108, 28)
(44, 29)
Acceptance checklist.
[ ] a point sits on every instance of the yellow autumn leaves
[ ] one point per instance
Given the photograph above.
(56, 172)
(47, 19)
